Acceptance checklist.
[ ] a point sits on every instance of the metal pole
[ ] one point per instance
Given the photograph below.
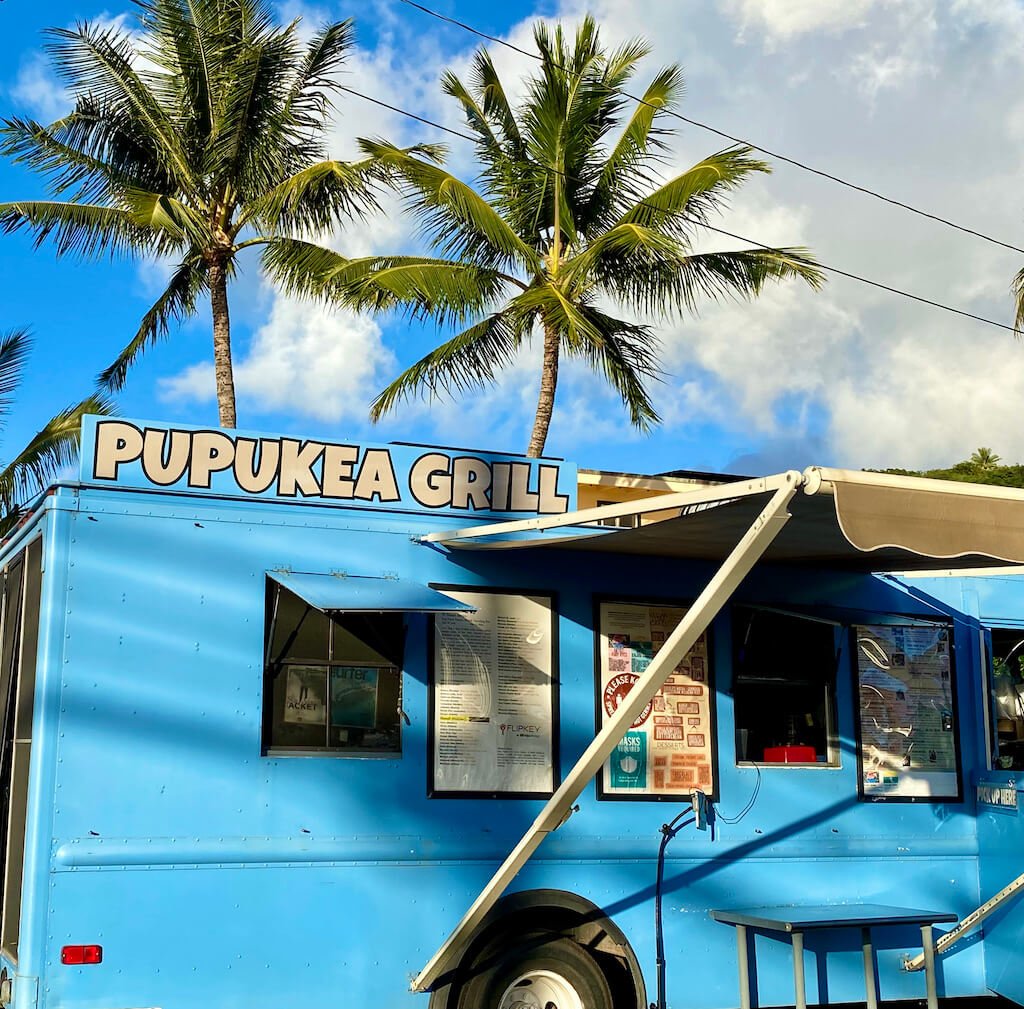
(741, 959)
(870, 973)
(799, 985)
(929, 967)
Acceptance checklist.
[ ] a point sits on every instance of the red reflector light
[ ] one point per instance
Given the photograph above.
(81, 954)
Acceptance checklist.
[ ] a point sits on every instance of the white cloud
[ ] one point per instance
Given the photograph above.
(920, 401)
(784, 19)
(306, 360)
(38, 90)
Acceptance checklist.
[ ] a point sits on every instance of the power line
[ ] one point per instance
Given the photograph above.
(702, 224)
(728, 136)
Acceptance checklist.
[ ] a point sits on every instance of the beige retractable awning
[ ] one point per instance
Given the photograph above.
(859, 521)
(841, 518)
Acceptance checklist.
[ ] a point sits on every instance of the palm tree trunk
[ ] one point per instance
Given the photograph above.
(546, 401)
(222, 342)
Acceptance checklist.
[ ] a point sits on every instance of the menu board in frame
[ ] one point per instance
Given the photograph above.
(669, 750)
(493, 697)
(907, 739)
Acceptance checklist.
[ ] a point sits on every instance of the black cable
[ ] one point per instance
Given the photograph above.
(668, 831)
(702, 224)
(748, 807)
(728, 136)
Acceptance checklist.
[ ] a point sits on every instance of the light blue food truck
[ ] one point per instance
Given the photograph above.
(327, 724)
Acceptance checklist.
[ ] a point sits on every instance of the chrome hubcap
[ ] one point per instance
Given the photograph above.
(541, 989)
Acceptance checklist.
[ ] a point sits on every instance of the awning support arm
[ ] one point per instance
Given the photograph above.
(1009, 892)
(734, 569)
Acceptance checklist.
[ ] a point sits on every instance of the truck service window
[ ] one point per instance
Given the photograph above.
(784, 680)
(333, 680)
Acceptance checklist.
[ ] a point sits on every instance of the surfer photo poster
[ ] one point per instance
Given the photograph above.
(668, 751)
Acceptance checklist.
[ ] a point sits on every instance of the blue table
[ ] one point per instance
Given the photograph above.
(797, 920)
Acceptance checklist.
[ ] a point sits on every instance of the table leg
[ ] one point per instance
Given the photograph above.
(929, 966)
(798, 970)
(870, 973)
(741, 959)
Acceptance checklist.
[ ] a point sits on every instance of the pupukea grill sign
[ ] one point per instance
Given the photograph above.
(176, 457)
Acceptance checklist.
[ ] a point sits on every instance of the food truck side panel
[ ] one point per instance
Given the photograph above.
(214, 875)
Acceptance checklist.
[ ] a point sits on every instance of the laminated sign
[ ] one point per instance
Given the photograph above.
(667, 751)
(493, 696)
(907, 712)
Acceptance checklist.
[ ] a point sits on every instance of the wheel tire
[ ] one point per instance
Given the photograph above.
(532, 979)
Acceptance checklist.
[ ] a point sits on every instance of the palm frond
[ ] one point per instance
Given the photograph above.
(495, 102)
(417, 286)
(687, 200)
(183, 38)
(52, 449)
(177, 302)
(308, 101)
(14, 350)
(80, 228)
(246, 146)
(37, 147)
(675, 285)
(457, 220)
(1017, 289)
(560, 312)
(160, 214)
(626, 355)
(467, 361)
(97, 62)
(315, 198)
(624, 177)
(476, 117)
(302, 268)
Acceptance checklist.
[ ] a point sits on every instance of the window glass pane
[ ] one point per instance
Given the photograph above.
(300, 631)
(373, 638)
(365, 703)
(784, 670)
(1008, 697)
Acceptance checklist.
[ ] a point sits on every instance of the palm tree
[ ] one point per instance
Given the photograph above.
(569, 220)
(984, 459)
(49, 451)
(197, 139)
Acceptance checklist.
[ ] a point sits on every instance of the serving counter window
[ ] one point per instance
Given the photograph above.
(784, 688)
(333, 681)
(907, 738)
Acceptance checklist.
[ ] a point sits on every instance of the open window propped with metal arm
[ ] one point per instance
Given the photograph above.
(335, 648)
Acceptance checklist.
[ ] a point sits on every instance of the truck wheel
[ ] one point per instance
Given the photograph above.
(558, 975)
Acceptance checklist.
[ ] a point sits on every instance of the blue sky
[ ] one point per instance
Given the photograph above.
(920, 100)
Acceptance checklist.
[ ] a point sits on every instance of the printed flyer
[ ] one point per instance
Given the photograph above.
(493, 696)
(305, 701)
(907, 715)
(667, 750)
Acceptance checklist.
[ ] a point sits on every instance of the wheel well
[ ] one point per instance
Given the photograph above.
(531, 917)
